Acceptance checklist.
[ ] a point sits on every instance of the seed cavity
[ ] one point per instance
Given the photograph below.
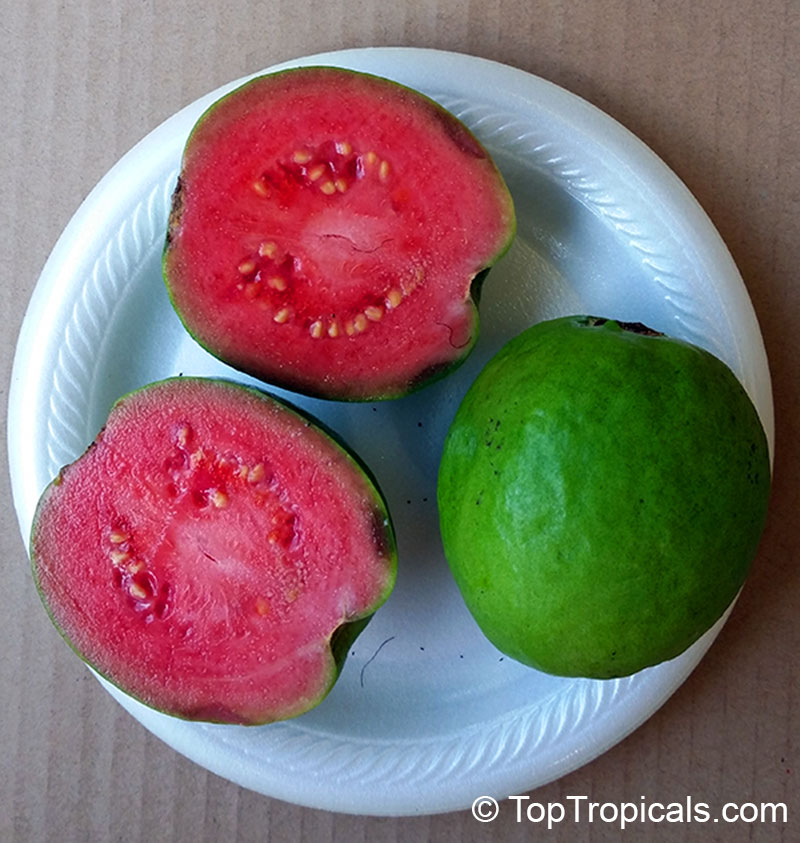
(208, 479)
(268, 273)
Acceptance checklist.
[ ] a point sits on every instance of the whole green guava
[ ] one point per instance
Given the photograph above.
(602, 492)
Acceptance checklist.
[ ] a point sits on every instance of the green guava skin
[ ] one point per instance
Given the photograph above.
(601, 495)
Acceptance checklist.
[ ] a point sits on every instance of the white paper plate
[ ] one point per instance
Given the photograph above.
(427, 715)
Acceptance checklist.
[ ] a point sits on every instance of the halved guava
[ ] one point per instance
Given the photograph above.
(329, 232)
(213, 553)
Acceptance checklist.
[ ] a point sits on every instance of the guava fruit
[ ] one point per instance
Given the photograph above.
(602, 492)
(329, 233)
(213, 553)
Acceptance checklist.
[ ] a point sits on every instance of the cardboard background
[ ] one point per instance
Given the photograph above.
(713, 87)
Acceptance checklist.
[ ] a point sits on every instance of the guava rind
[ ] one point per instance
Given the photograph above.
(332, 648)
(602, 494)
(345, 381)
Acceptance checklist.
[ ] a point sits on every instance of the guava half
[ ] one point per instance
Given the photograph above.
(213, 552)
(602, 492)
(329, 233)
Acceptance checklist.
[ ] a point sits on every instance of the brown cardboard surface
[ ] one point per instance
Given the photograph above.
(713, 86)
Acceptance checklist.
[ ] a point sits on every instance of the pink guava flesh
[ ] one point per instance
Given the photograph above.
(206, 548)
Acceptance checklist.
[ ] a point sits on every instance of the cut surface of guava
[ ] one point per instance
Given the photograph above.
(327, 231)
(210, 552)
(602, 492)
